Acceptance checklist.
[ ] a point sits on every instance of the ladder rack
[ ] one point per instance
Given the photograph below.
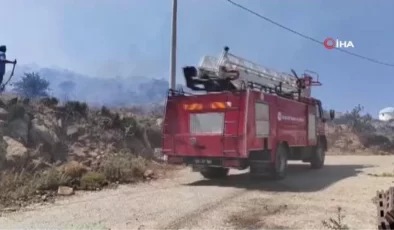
(229, 72)
(248, 72)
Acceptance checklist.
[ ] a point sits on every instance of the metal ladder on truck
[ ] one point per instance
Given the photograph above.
(234, 122)
(249, 72)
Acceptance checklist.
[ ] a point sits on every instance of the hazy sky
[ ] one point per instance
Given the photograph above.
(119, 37)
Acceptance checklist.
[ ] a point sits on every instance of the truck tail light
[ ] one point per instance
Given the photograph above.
(192, 107)
(219, 105)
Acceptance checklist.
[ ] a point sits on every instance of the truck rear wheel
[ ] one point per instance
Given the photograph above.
(317, 161)
(279, 168)
(214, 172)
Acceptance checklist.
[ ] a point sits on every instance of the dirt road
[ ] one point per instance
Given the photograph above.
(187, 201)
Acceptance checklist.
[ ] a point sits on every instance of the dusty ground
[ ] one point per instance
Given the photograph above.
(187, 201)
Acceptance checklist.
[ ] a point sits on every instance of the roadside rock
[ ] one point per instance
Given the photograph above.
(19, 129)
(72, 131)
(17, 154)
(65, 191)
(3, 114)
(40, 133)
(149, 174)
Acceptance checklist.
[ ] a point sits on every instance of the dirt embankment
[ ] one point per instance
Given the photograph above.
(49, 148)
(354, 133)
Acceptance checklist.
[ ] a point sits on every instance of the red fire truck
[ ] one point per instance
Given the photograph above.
(244, 115)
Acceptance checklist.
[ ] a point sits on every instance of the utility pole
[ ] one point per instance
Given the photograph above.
(173, 44)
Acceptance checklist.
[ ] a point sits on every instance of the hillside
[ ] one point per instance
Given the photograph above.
(355, 133)
(45, 144)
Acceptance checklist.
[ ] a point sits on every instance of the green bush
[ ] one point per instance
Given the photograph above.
(93, 181)
(124, 168)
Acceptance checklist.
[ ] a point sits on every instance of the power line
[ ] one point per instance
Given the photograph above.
(306, 36)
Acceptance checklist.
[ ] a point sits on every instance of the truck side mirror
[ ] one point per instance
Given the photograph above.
(332, 114)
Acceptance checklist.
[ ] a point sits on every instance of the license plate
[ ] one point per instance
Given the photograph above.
(203, 161)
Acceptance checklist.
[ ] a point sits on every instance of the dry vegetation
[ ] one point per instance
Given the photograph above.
(254, 213)
(336, 223)
(45, 145)
(357, 133)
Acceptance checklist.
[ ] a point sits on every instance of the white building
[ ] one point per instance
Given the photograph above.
(386, 114)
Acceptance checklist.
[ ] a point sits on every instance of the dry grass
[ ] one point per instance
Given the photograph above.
(382, 153)
(93, 181)
(255, 213)
(74, 169)
(336, 223)
(21, 187)
(385, 174)
(124, 168)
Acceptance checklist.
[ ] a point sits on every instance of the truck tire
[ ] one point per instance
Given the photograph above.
(317, 161)
(214, 172)
(279, 168)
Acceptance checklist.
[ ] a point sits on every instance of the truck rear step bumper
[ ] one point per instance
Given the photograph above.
(237, 163)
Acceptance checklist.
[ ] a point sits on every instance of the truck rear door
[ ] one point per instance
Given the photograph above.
(204, 125)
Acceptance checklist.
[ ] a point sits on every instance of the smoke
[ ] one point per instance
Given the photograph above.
(109, 91)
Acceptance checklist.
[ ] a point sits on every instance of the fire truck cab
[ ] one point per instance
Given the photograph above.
(247, 116)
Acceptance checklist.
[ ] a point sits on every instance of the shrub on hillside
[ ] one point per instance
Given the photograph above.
(368, 131)
(356, 121)
(93, 181)
(123, 168)
(76, 107)
(32, 85)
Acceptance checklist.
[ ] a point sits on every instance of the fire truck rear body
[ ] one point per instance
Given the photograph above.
(241, 128)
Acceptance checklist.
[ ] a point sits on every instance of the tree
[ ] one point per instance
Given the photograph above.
(32, 85)
(358, 122)
(67, 87)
